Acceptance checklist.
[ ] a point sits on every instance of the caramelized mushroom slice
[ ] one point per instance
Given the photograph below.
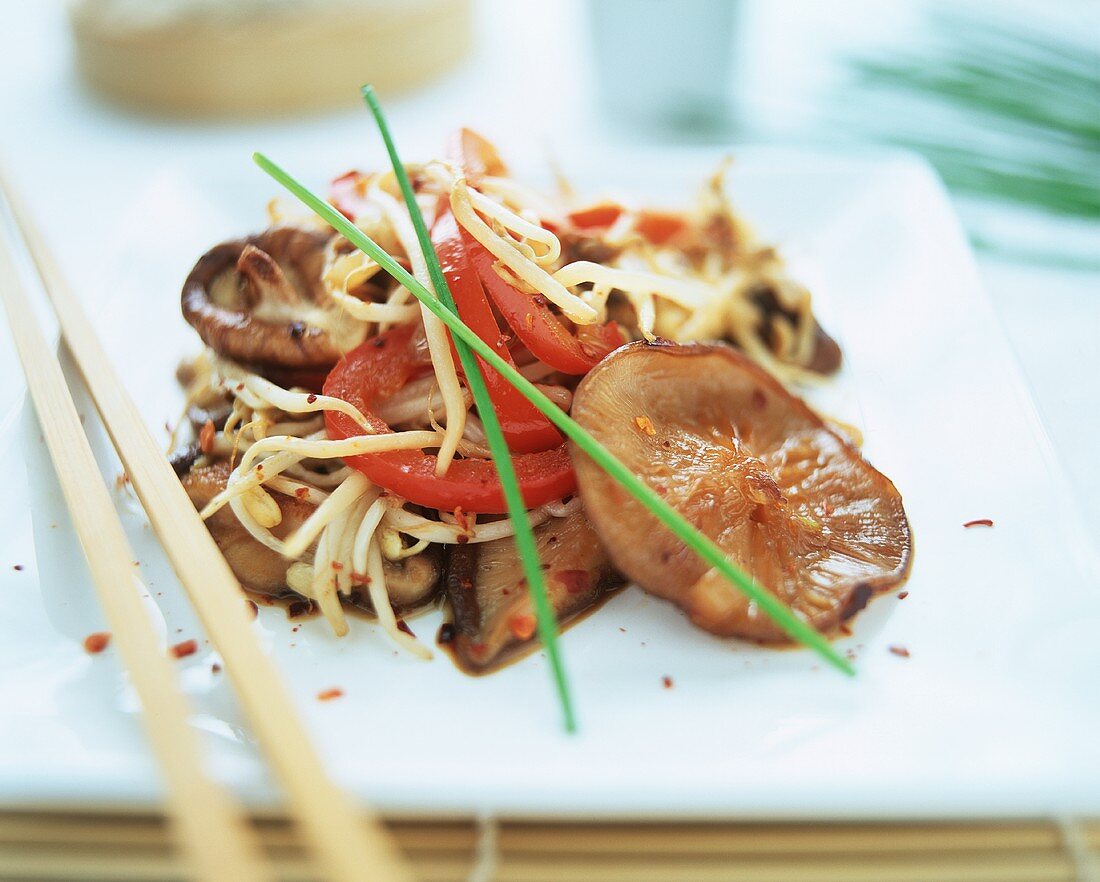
(750, 465)
(493, 614)
(256, 566)
(411, 583)
(260, 301)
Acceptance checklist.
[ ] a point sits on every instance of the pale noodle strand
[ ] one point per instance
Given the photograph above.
(283, 399)
(443, 533)
(364, 534)
(326, 481)
(439, 345)
(323, 586)
(524, 229)
(685, 292)
(324, 449)
(255, 529)
(511, 257)
(262, 507)
(287, 450)
(297, 489)
(342, 498)
(520, 197)
(239, 482)
(380, 599)
(346, 544)
(561, 509)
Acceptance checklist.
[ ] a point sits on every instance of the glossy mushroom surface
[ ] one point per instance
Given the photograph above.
(411, 583)
(753, 467)
(260, 301)
(493, 614)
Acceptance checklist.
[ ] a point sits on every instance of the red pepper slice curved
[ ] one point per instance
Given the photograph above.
(659, 226)
(377, 369)
(525, 429)
(536, 325)
(348, 194)
(475, 155)
(602, 214)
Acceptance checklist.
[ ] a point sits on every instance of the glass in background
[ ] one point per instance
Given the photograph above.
(665, 69)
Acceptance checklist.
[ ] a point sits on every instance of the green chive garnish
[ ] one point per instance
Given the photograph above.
(502, 458)
(778, 611)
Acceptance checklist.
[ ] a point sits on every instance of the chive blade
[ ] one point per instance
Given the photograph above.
(702, 545)
(502, 457)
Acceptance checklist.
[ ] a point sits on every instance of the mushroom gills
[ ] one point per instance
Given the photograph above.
(754, 468)
(260, 301)
(493, 614)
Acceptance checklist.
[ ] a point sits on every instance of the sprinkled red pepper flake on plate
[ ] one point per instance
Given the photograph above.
(899, 651)
(183, 649)
(97, 642)
(979, 522)
(666, 681)
(329, 694)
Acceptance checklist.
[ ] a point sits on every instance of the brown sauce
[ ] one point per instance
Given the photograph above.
(445, 639)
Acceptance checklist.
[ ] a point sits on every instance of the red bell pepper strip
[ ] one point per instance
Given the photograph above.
(525, 429)
(348, 193)
(659, 226)
(474, 155)
(536, 325)
(600, 215)
(380, 367)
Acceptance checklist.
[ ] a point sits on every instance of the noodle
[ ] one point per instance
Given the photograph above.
(344, 496)
(439, 346)
(380, 600)
(524, 268)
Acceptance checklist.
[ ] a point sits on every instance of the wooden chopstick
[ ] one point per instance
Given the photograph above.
(350, 842)
(210, 826)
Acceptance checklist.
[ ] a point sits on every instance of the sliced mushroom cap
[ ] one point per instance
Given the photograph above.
(493, 614)
(260, 301)
(411, 583)
(256, 566)
(752, 467)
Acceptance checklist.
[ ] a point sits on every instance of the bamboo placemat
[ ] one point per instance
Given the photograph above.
(49, 847)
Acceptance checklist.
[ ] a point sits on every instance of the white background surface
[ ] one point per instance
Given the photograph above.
(78, 162)
(991, 714)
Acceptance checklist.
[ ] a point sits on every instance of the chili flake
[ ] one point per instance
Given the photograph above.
(979, 522)
(97, 642)
(522, 626)
(329, 694)
(184, 649)
(206, 437)
(900, 651)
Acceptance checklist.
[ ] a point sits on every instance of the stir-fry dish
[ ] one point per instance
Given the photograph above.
(339, 461)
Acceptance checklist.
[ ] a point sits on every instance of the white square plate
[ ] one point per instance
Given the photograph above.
(994, 712)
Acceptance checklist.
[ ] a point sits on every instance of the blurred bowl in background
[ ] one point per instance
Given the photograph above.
(664, 67)
(257, 58)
